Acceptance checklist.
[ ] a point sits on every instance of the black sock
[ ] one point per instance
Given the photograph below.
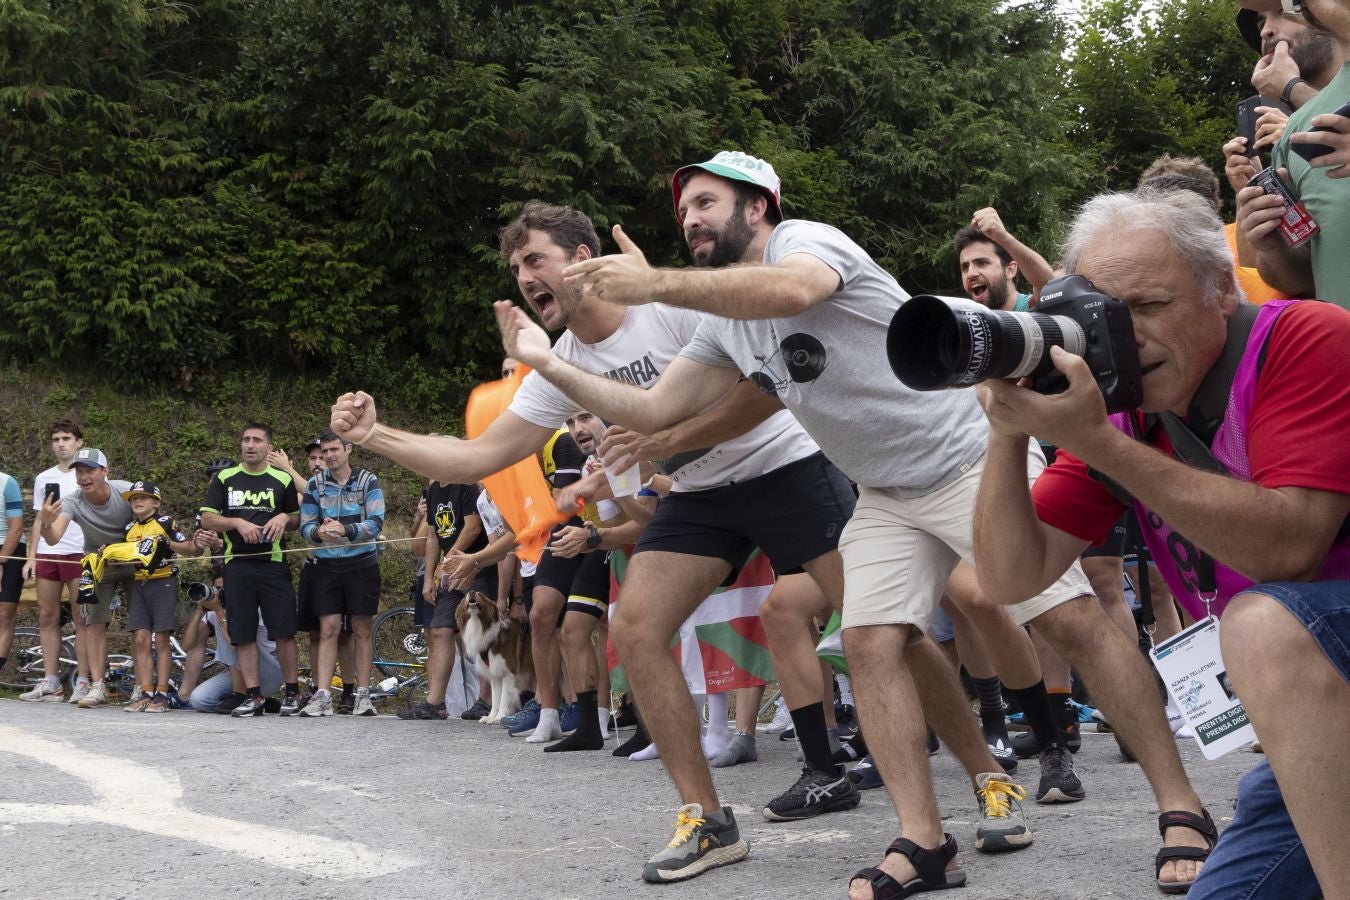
(809, 721)
(1061, 710)
(349, 688)
(587, 736)
(292, 687)
(255, 692)
(639, 741)
(992, 721)
(851, 749)
(1036, 707)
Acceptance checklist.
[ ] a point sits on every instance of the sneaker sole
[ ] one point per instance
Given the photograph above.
(1055, 795)
(840, 805)
(317, 715)
(47, 698)
(1000, 843)
(723, 856)
(95, 705)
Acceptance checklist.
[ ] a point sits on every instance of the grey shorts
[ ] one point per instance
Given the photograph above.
(153, 605)
(100, 613)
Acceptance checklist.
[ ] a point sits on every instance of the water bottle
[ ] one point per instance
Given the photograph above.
(388, 686)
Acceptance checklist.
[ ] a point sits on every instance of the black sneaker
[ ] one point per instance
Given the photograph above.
(1026, 746)
(1001, 749)
(1059, 784)
(252, 706)
(292, 703)
(422, 710)
(345, 704)
(476, 712)
(271, 705)
(814, 793)
(229, 703)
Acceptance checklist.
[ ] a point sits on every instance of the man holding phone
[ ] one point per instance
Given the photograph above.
(1318, 267)
(56, 566)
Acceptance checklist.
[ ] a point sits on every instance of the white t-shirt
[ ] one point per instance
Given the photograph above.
(649, 338)
(828, 366)
(225, 652)
(494, 525)
(73, 540)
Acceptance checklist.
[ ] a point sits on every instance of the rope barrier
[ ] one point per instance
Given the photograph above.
(268, 555)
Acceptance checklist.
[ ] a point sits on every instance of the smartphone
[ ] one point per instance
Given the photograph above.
(51, 491)
(1247, 117)
(1312, 151)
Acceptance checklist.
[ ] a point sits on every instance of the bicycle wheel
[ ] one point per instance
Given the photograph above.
(23, 667)
(119, 678)
(400, 644)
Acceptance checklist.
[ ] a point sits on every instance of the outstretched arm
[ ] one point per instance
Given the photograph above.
(448, 460)
(1030, 263)
(685, 387)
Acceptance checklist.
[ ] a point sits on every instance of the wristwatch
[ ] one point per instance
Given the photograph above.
(1287, 95)
(1293, 7)
(592, 539)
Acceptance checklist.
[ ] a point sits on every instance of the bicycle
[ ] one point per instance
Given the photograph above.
(400, 646)
(24, 667)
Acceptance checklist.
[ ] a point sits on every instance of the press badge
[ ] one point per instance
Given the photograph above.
(1197, 680)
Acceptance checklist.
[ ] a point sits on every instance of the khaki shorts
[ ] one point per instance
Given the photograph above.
(899, 551)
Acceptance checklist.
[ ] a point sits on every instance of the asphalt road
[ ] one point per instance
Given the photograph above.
(99, 802)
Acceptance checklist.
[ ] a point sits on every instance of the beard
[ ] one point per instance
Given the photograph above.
(998, 295)
(729, 244)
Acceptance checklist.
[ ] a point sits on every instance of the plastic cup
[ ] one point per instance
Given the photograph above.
(625, 483)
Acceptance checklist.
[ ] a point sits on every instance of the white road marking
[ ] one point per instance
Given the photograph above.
(141, 798)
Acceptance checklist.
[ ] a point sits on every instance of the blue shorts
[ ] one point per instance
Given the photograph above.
(1323, 608)
(941, 629)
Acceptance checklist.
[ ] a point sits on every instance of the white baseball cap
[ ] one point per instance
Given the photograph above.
(737, 166)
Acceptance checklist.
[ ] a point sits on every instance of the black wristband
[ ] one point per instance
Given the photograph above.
(1287, 95)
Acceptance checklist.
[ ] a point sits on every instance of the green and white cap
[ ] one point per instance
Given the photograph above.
(737, 166)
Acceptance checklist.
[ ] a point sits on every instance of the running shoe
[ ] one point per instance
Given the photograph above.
(177, 702)
(97, 696)
(1059, 783)
(1026, 746)
(529, 711)
(568, 717)
(814, 793)
(423, 710)
(292, 703)
(698, 845)
(782, 719)
(476, 712)
(320, 704)
(1003, 824)
(252, 706)
(526, 723)
(865, 775)
(138, 704)
(346, 705)
(157, 704)
(1001, 749)
(363, 706)
(81, 691)
(230, 702)
(42, 691)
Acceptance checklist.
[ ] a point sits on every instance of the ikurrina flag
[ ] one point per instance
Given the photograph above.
(519, 491)
(721, 646)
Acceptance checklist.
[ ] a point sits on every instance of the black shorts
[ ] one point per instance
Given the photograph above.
(11, 576)
(305, 617)
(558, 572)
(346, 592)
(590, 588)
(794, 514)
(441, 614)
(1114, 545)
(254, 587)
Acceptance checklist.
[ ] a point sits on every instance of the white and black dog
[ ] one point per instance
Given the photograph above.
(500, 649)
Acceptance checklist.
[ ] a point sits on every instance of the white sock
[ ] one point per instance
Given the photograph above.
(646, 753)
(54, 682)
(845, 689)
(718, 735)
(548, 728)
(604, 722)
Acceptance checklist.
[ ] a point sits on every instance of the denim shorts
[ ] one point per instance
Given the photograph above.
(1322, 607)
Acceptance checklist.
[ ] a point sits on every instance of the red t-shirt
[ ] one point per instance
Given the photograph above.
(1298, 431)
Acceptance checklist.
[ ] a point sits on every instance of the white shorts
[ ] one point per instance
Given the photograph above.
(899, 552)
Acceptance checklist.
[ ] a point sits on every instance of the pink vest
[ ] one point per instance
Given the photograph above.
(1179, 562)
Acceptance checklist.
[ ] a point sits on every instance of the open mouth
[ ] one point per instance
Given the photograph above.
(544, 303)
(979, 292)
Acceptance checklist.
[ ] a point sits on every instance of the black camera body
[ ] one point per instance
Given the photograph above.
(935, 342)
(1110, 351)
(201, 592)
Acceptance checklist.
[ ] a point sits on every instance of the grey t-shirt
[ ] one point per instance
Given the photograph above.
(828, 366)
(106, 524)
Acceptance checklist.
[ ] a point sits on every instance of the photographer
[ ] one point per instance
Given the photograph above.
(224, 691)
(1270, 508)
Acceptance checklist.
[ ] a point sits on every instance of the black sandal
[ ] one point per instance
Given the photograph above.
(930, 864)
(1205, 826)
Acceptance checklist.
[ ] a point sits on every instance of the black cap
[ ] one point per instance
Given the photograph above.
(1249, 23)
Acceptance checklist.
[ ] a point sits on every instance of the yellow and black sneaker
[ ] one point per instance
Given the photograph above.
(700, 843)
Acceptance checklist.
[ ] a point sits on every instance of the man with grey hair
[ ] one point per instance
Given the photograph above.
(1238, 466)
(806, 314)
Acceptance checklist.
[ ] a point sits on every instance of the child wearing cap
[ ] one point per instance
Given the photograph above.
(154, 596)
